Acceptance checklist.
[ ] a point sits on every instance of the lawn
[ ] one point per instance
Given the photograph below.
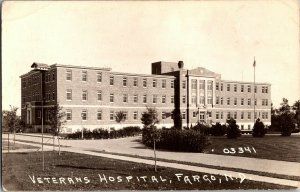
(16, 146)
(273, 147)
(72, 171)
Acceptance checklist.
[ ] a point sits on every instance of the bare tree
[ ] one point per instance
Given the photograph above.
(120, 117)
(56, 121)
(149, 119)
(10, 121)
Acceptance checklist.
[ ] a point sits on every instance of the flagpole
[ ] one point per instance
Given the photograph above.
(254, 64)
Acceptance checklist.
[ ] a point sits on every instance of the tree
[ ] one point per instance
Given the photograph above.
(120, 116)
(296, 108)
(286, 118)
(149, 119)
(177, 118)
(57, 120)
(11, 121)
(233, 130)
(259, 129)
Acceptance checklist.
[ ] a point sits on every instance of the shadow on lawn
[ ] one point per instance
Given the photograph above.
(83, 167)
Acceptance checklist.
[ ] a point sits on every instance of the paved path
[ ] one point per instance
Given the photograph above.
(132, 146)
(229, 174)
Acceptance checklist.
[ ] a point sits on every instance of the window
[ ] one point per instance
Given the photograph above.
(99, 77)
(84, 76)
(135, 115)
(242, 115)
(163, 83)
(163, 99)
(228, 101)
(99, 95)
(263, 89)
(84, 96)
(124, 81)
(266, 102)
(255, 115)
(194, 84)
(266, 115)
(69, 94)
(209, 100)
(53, 96)
(154, 83)
(262, 102)
(249, 88)
(217, 86)
(217, 100)
(183, 84)
(228, 115)
(221, 115)
(217, 114)
(266, 89)
(84, 115)
(125, 115)
(255, 89)
(183, 99)
(111, 115)
(249, 127)
(202, 84)
(242, 101)
(242, 88)
(183, 115)
(69, 115)
(172, 83)
(194, 100)
(194, 114)
(144, 82)
(202, 100)
(235, 87)
(69, 75)
(249, 101)
(154, 99)
(209, 85)
(249, 115)
(221, 86)
(201, 116)
(135, 98)
(235, 101)
(242, 127)
(262, 115)
(221, 101)
(135, 81)
(255, 102)
(172, 99)
(144, 98)
(163, 115)
(235, 115)
(111, 98)
(125, 98)
(111, 80)
(228, 87)
(99, 115)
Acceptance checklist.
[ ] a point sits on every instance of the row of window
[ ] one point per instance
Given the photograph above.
(242, 101)
(219, 86)
(164, 115)
(99, 115)
(35, 79)
(125, 97)
(84, 77)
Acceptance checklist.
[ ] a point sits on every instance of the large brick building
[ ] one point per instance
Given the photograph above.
(91, 96)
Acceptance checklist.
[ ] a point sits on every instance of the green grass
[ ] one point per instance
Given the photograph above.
(17, 167)
(272, 147)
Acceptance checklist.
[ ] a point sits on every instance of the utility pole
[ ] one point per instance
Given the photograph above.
(254, 103)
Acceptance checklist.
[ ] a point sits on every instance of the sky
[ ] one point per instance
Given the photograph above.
(222, 36)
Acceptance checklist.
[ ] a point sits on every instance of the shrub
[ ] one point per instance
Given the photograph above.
(177, 140)
(203, 129)
(233, 130)
(105, 134)
(286, 124)
(218, 130)
(259, 129)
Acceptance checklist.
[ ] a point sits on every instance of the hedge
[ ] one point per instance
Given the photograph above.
(176, 140)
(105, 134)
